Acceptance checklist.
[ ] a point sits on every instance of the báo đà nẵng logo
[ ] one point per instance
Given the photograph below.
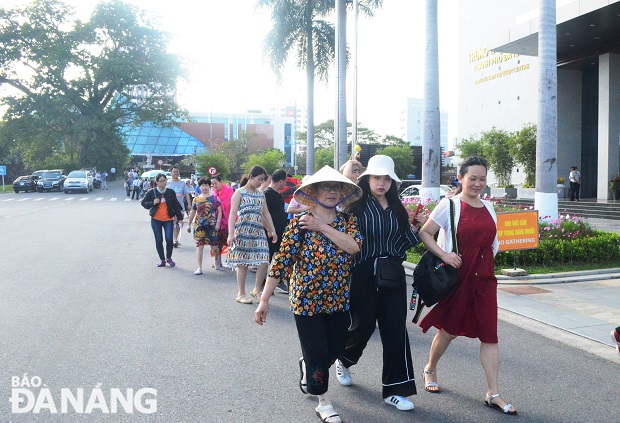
(31, 395)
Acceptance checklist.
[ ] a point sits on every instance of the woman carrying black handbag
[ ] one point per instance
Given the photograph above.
(471, 308)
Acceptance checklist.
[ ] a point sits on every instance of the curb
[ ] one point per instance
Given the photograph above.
(549, 278)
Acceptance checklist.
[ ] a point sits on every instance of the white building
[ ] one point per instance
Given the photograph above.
(498, 79)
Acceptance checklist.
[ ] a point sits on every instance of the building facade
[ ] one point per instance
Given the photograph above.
(498, 80)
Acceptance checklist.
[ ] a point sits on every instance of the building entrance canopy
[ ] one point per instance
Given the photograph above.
(584, 32)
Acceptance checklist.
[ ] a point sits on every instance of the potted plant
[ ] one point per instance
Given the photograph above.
(561, 187)
(614, 186)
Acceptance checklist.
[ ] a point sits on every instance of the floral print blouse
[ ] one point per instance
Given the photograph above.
(316, 268)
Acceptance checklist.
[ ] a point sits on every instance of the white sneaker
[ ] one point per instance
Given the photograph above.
(198, 271)
(343, 374)
(399, 402)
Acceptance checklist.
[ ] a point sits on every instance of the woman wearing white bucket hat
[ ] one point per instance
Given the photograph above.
(384, 224)
(315, 256)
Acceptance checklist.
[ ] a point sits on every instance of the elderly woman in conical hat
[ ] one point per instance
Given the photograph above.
(315, 257)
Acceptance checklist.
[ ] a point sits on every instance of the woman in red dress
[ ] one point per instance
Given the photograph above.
(471, 309)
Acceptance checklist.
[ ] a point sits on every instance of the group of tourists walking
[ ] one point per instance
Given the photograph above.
(326, 256)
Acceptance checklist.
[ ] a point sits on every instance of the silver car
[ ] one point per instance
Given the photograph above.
(79, 180)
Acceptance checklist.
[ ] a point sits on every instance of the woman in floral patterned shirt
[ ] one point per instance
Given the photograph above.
(315, 256)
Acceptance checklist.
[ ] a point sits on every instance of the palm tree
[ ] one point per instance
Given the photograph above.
(431, 147)
(340, 129)
(299, 28)
(367, 7)
(546, 199)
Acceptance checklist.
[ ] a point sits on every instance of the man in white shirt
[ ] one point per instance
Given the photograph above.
(575, 183)
(180, 188)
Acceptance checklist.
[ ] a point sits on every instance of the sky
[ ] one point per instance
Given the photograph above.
(222, 42)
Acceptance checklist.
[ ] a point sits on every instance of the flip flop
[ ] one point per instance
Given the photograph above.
(243, 299)
(327, 414)
(506, 410)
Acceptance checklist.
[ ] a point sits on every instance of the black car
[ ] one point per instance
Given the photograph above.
(25, 183)
(50, 180)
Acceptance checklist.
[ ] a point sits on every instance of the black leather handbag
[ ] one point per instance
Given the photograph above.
(434, 280)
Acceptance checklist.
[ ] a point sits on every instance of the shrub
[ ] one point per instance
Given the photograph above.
(565, 240)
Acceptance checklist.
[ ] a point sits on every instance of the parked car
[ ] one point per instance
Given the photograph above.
(413, 191)
(25, 183)
(79, 180)
(151, 174)
(51, 179)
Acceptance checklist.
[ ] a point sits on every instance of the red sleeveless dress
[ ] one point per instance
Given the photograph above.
(471, 309)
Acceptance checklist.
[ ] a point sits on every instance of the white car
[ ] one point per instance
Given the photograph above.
(413, 191)
(79, 180)
(151, 174)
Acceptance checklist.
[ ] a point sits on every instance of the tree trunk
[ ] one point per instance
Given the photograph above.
(546, 199)
(431, 147)
(340, 123)
(310, 94)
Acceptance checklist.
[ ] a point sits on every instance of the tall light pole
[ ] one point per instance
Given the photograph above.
(340, 123)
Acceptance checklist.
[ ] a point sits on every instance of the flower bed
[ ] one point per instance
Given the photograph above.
(565, 240)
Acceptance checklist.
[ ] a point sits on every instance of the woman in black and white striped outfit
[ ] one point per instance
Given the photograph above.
(385, 228)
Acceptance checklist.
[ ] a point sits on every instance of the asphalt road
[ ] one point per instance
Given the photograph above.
(83, 306)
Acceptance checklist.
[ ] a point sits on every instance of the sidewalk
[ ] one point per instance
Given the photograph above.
(586, 304)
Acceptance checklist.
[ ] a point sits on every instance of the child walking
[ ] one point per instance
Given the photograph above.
(207, 217)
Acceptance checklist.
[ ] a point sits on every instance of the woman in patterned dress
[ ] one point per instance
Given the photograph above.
(315, 256)
(207, 217)
(246, 234)
(471, 309)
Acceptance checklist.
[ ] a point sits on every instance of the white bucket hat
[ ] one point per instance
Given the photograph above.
(305, 195)
(381, 165)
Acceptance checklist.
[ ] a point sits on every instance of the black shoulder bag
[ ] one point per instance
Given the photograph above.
(434, 280)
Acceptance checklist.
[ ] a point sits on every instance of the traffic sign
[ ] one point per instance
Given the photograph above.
(212, 170)
(160, 162)
(2, 170)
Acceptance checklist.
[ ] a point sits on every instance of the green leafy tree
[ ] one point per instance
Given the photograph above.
(205, 160)
(324, 157)
(524, 151)
(393, 140)
(472, 146)
(271, 160)
(236, 153)
(76, 84)
(497, 144)
(402, 156)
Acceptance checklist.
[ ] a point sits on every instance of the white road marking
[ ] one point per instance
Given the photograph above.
(8, 199)
(113, 199)
(38, 199)
(84, 199)
(23, 199)
(98, 198)
(54, 199)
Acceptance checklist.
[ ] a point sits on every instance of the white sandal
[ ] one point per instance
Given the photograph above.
(327, 414)
(489, 403)
(430, 384)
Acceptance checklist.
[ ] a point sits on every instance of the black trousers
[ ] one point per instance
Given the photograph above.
(322, 338)
(574, 190)
(388, 308)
